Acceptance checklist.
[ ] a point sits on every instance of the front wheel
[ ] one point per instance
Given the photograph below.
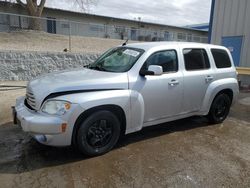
(98, 133)
(219, 109)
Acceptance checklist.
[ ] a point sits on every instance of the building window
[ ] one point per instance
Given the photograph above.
(179, 36)
(65, 25)
(3, 19)
(119, 29)
(166, 36)
(96, 28)
(189, 37)
(196, 39)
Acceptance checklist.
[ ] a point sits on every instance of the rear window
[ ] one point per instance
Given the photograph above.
(196, 59)
(221, 58)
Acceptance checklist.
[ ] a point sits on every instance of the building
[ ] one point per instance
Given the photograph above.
(14, 17)
(230, 27)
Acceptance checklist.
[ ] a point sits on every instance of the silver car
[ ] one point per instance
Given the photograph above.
(129, 87)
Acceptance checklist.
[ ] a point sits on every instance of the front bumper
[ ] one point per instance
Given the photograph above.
(44, 128)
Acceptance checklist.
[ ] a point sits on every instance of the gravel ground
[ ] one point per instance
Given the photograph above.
(8, 97)
(43, 42)
(185, 153)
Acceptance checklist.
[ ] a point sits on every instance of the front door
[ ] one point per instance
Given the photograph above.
(162, 94)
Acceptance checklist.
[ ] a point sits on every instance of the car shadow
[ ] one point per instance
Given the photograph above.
(25, 154)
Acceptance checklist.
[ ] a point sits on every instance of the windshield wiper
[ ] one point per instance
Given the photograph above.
(93, 67)
(86, 66)
(100, 68)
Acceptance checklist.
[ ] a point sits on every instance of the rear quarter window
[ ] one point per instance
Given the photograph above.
(221, 58)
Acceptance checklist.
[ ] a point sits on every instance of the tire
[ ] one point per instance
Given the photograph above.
(98, 133)
(219, 109)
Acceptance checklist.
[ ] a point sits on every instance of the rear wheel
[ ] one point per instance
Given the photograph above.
(98, 133)
(219, 109)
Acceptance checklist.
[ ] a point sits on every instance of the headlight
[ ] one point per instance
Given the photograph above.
(56, 107)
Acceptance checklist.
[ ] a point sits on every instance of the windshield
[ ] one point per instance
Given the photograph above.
(119, 59)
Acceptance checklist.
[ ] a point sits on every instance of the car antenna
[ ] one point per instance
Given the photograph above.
(125, 43)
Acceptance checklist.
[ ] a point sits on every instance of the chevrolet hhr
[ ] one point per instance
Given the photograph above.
(127, 88)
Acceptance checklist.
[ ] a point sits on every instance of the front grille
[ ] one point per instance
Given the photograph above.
(30, 98)
(27, 105)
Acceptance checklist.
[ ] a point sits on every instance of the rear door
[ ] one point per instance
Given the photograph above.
(198, 74)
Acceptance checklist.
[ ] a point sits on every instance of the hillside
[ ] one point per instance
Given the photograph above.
(41, 41)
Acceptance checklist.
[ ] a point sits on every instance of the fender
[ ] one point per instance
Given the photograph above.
(214, 88)
(88, 100)
(130, 101)
(137, 111)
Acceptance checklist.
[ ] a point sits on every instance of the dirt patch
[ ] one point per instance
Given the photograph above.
(8, 97)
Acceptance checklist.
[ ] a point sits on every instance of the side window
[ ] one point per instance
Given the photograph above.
(167, 59)
(221, 58)
(196, 59)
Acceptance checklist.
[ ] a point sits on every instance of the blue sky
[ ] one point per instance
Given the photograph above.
(169, 12)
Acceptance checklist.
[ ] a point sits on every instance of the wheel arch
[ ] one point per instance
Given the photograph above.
(117, 110)
(227, 91)
(212, 114)
(228, 86)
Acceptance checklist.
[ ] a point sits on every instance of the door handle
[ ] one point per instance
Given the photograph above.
(173, 83)
(209, 78)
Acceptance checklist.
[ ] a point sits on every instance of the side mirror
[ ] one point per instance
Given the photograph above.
(152, 70)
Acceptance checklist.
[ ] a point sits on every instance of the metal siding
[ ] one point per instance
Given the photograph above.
(218, 24)
(246, 46)
(211, 20)
(215, 22)
(213, 28)
(227, 18)
(239, 25)
(232, 18)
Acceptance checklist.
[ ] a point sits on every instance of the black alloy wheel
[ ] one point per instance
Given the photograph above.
(219, 109)
(98, 133)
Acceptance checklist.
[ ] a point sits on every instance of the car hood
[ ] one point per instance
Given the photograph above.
(75, 80)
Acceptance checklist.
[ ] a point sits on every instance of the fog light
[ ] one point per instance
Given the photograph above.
(41, 138)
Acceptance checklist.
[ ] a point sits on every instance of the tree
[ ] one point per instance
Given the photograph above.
(35, 9)
(84, 4)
